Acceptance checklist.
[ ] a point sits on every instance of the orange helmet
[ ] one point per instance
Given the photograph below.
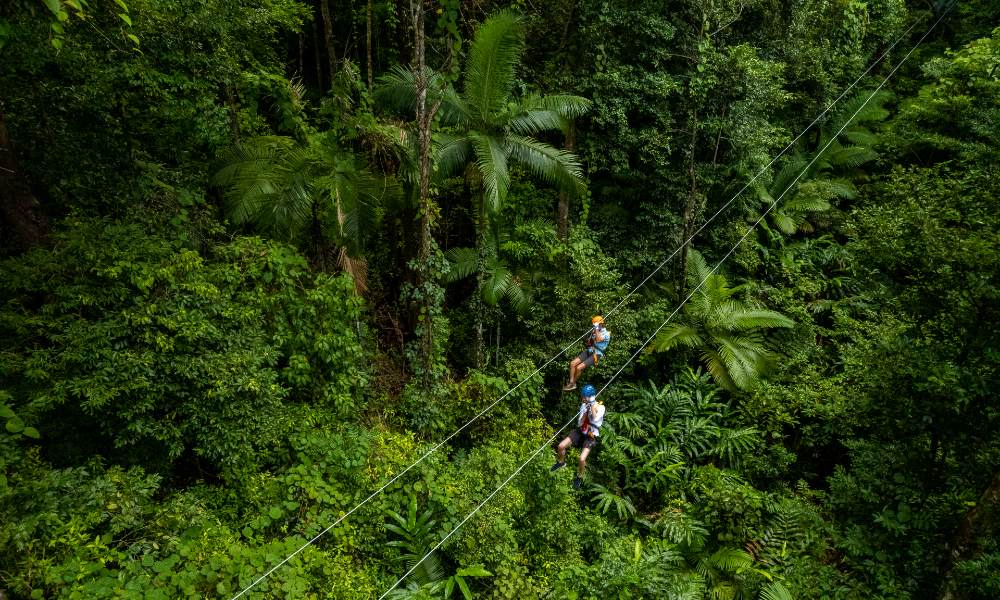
(597, 319)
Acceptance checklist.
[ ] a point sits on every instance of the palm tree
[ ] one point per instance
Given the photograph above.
(727, 331)
(831, 174)
(315, 191)
(490, 127)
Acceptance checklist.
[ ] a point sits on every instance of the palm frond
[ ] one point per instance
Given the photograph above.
(849, 156)
(536, 121)
(463, 263)
(558, 167)
(491, 160)
(786, 177)
(744, 319)
(535, 114)
(719, 370)
(676, 334)
(517, 297)
(842, 188)
(451, 154)
(606, 500)
(868, 111)
(776, 591)
(397, 92)
(498, 279)
(489, 71)
(860, 136)
(681, 528)
(731, 560)
(731, 443)
(787, 224)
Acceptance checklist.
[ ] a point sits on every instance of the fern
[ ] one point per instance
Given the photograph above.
(607, 500)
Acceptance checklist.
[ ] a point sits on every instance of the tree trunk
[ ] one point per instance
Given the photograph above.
(21, 219)
(319, 57)
(562, 220)
(371, 68)
(331, 51)
(302, 53)
(694, 204)
(425, 115)
(982, 521)
(478, 306)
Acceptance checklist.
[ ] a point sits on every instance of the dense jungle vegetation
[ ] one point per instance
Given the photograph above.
(257, 257)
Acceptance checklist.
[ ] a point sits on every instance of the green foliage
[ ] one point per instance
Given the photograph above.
(183, 409)
(316, 191)
(727, 331)
(145, 347)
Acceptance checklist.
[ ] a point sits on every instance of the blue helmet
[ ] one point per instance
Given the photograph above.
(588, 391)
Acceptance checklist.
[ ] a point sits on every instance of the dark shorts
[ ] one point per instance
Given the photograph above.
(580, 440)
(587, 358)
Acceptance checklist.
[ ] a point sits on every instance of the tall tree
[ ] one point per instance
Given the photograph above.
(423, 121)
(490, 127)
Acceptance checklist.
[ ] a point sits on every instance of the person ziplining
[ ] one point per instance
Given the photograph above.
(588, 428)
(597, 343)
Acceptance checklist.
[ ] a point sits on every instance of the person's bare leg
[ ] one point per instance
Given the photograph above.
(580, 366)
(583, 462)
(561, 452)
(572, 369)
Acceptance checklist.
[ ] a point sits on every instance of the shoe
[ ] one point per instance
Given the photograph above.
(557, 466)
(569, 387)
(577, 482)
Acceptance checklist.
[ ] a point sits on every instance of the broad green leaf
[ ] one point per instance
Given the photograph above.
(133, 37)
(6, 412)
(122, 4)
(74, 5)
(54, 6)
(473, 571)
(31, 432)
(15, 425)
(125, 18)
(57, 27)
(466, 592)
(57, 43)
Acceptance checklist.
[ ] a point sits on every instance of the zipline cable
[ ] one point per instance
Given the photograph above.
(574, 342)
(676, 310)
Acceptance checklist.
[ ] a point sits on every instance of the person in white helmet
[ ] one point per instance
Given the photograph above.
(584, 437)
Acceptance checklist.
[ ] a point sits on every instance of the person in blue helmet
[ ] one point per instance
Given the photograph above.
(584, 437)
(597, 343)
